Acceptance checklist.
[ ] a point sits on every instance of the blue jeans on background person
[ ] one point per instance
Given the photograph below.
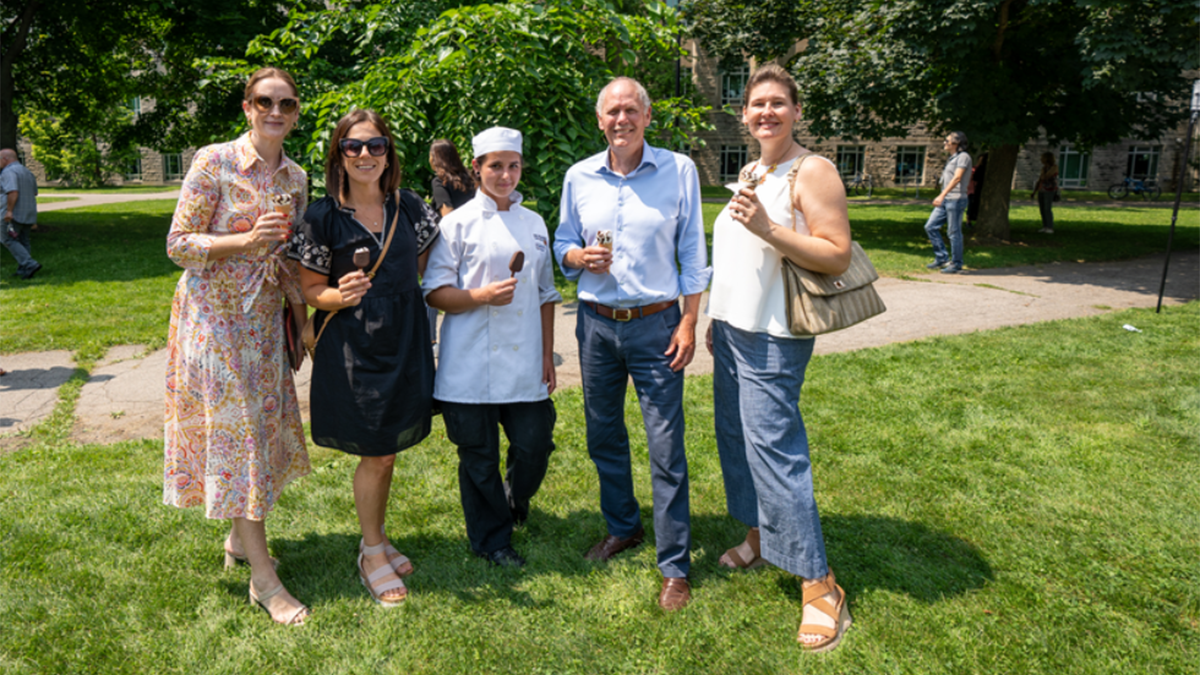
(764, 447)
(19, 247)
(951, 213)
(492, 506)
(610, 352)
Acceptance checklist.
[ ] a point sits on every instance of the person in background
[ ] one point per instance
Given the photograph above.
(233, 436)
(631, 233)
(19, 188)
(1045, 190)
(949, 205)
(372, 376)
(496, 367)
(758, 365)
(451, 187)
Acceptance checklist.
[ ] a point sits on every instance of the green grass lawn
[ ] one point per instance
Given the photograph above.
(110, 190)
(928, 193)
(51, 200)
(1014, 501)
(107, 279)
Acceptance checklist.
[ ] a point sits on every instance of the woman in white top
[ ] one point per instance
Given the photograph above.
(496, 365)
(759, 366)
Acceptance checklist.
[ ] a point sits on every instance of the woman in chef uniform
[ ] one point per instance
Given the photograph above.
(490, 272)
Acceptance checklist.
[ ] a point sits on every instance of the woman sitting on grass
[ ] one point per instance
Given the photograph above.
(362, 249)
(233, 432)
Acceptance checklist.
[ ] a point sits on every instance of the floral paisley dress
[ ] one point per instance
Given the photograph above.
(233, 436)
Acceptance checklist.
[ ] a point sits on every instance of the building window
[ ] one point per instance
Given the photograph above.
(1143, 161)
(733, 82)
(685, 82)
(851, 160)
(733, 158)
(910, 164)
(1073, 167)
(135, 105)
(173, 166)
(133, 170)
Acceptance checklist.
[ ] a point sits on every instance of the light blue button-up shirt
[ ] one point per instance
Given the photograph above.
(659, 251)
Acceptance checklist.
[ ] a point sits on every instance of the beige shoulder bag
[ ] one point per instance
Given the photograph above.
(823, 303)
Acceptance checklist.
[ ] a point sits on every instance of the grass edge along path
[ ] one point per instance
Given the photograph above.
(1019, 500)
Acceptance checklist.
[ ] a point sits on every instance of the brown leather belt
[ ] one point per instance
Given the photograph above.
(628, 313)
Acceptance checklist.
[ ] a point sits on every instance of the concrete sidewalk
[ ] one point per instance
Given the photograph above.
(123, 397)
(78, 199)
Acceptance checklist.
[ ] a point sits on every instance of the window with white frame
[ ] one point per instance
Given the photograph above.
(1143, 161)
(1073, 167)
(851, 159)
(734, 76)
(133, 170)
(685, 81)
(910, 164)
(733, 158)
(173, 166)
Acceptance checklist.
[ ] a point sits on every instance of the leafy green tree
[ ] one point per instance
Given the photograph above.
(533, 66)
(1004, 71)
(83, 161)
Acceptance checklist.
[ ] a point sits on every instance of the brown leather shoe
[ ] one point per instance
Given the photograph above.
(612, 545)
(676, 593)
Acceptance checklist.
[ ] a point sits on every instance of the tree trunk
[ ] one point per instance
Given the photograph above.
(997, 190)
(15, 34)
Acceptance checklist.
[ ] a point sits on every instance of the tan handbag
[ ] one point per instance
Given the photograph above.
(823, 303)
(311, 335)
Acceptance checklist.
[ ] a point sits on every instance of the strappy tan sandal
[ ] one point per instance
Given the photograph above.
(296, 618)
(815, 595)
(232, 559)
(399, 562)
(374, 581)
(733, 560)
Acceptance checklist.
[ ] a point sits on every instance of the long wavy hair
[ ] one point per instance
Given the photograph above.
(448, 166)
(335, 168)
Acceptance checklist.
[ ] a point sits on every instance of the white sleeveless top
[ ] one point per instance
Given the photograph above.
(747, 285)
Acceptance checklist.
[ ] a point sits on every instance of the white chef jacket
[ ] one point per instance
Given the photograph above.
(492, 354)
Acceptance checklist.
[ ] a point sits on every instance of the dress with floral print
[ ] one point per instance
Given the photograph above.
(233, 436)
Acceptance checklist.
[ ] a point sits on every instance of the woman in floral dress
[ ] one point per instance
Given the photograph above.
(233, 432)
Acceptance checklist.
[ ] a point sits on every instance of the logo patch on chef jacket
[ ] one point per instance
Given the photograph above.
(540, 242)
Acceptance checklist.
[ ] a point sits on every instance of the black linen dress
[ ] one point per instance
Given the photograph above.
(372, 381)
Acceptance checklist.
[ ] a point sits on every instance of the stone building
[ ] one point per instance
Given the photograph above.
(916, 159)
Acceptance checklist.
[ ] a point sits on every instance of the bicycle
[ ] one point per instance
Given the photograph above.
(1148, 189)
(859, 183)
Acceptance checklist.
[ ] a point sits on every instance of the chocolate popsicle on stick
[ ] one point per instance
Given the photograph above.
(362, 257)
(517, 263)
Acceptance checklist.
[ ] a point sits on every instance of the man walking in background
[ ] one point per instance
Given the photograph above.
(20, 211)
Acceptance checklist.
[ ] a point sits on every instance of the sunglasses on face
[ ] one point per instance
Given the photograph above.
(287, 106)
(352, 147)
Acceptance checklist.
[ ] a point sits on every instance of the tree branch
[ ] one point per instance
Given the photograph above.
(17, 44)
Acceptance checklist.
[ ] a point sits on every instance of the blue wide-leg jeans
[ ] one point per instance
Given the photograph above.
(763, 445)
(951, 213)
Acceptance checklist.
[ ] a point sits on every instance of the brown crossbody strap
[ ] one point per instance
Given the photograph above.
(387, 242)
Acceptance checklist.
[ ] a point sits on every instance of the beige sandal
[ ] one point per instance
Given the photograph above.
(374, 581)
(295, 619)
(815, 595)
(399, 562)
(733, 560)
(232, 559)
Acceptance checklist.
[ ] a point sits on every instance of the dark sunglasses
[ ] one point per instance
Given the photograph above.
(352, 147)
(287, 106)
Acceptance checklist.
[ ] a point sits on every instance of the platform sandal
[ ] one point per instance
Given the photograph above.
(375, 583)
(815, 596)
(733, 560)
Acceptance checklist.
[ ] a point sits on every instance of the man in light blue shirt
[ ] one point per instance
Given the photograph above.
(19, 189)
(631, 234)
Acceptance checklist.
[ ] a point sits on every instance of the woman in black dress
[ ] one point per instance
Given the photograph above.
(372, 383)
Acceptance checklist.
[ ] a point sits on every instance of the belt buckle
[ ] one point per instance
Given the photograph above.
(622, 314)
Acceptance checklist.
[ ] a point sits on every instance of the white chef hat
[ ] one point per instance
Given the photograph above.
(496, 139)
